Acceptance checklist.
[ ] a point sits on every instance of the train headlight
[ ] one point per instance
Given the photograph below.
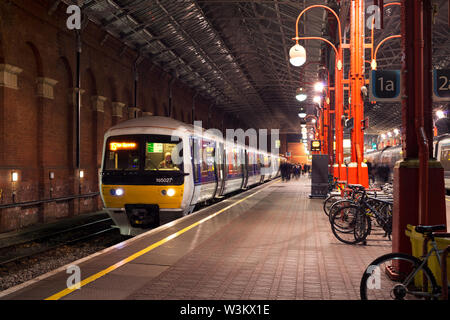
(171, 192)
(116, 192)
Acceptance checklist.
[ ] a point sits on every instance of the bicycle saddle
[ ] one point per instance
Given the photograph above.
(428, 229)
(355, 186)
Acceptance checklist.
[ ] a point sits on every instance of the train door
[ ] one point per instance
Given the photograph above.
(220, 165)
(245, 170)
(195, 145)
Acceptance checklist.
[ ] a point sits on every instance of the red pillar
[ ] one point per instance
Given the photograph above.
(326, 122)
(339, 110)
(410, 197)
(356, 82)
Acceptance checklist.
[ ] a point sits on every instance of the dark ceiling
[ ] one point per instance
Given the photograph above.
(236, 53)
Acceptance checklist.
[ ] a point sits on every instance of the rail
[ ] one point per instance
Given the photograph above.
(39, 202)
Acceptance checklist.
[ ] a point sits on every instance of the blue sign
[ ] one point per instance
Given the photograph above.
(441, 85)
(385, 85)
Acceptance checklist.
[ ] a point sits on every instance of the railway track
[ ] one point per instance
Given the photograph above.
(54, 240)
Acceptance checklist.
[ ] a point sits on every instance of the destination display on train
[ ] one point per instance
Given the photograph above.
(154, 147)
(114, 146)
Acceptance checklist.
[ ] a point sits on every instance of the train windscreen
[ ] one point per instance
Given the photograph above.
(144, 152)
(162, 155)
(122, 154)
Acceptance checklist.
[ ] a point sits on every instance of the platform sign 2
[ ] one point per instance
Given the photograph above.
(385, 85)
(441, 85)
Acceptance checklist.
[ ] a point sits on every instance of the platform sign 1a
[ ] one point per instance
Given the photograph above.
(385, 85)
(441, 85)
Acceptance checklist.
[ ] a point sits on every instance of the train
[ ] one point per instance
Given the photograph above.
(391, 154)
(153, 166)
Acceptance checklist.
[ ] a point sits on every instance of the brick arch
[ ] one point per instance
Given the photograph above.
(37, 58)
(127, 97)
(90, 82)
(62, 121)
(112, 87)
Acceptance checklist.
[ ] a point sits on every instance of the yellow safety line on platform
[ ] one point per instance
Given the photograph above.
(100, 274)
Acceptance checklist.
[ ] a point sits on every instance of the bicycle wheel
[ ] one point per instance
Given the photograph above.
(337, 206)
(391, 277)
(350, 225)
(329, 202)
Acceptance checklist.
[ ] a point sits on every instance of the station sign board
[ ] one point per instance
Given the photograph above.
(441, 84)
(316, 145)
(385, 85)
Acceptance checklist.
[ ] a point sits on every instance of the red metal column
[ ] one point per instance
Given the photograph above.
(419, 192)
(326, 121)
(356, 82)
(339, 109)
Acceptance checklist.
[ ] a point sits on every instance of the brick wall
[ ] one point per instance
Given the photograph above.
(37, 108)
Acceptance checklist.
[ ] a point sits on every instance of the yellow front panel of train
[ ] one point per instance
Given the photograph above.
(144, 195)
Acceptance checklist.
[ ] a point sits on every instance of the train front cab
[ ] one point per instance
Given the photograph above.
(140, 181)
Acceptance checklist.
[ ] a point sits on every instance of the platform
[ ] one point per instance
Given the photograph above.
(271, 242)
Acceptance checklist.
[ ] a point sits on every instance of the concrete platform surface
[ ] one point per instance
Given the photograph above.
(271, 242)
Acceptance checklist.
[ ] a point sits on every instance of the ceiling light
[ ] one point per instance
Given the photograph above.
(318, 87)
(396, 132)
(297, 55)
(373, 64)
(302, 115)
(300, 94)
(440, 114)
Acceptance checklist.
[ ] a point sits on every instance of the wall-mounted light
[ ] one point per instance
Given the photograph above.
(14, 176)
(51, 175)
(81, 174)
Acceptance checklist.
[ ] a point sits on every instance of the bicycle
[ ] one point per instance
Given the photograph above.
(393, 275)
(351, 220)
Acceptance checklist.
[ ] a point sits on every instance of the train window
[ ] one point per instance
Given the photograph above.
(251, 162)
(208, 154)
(234, 161)
(122, 155)
(445, 158)
(163, 154)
